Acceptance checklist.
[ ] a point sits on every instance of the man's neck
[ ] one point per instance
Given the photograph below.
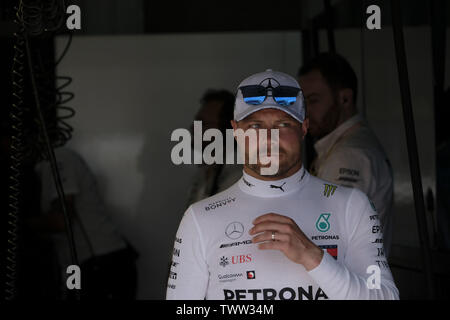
(255, 186)
(344, 116)
(286, 174)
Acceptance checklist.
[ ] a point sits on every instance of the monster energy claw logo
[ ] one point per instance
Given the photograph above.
(373, 206)
(322, 223)
(329, 190)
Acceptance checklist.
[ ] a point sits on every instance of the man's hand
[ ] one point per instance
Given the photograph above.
(289, 239)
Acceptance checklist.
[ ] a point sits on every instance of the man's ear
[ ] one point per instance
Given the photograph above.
(305, 126)
(346, 98)
(233, 124)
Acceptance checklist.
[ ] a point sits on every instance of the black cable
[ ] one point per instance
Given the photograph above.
(63, 128)
(51, 155)
(54, 100)
(66, 48)
(43, 16)
(33, 17)
(414, 166)
(38, 17)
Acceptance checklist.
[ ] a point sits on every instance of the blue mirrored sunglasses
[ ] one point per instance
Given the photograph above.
(257, 94)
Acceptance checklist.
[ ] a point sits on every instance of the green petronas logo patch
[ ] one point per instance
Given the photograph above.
(322, 223)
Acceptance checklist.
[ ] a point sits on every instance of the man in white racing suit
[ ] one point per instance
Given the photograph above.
(284, 236)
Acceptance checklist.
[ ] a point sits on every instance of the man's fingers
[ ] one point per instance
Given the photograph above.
(270, 226)
(275, 217)
(267, 236)
(271, 245)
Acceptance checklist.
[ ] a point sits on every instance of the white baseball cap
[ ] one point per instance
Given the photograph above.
(282, 87)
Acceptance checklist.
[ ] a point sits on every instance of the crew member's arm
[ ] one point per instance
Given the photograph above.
(53, 221)
(349, 168)
(188, 277)
(356, 277)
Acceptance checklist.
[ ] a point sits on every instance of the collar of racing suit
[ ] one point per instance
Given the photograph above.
(323, 145)
(276, 188)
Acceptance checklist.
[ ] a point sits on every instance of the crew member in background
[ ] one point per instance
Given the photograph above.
(348, 152)
(107, 261)
(216, 112)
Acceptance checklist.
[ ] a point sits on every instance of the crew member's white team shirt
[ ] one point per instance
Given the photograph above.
(352, 156)
(214, 258)
(91, 218)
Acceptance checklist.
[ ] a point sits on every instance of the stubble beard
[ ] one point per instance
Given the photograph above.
(283, 167)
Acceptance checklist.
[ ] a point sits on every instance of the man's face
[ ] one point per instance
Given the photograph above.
(291, 133)
(322, 106)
